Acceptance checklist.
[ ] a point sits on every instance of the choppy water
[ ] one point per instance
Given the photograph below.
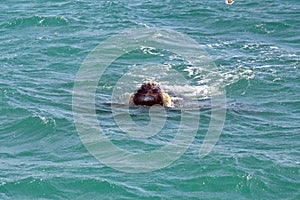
(255, 46)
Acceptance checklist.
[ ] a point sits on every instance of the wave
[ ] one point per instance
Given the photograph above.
(36, 21)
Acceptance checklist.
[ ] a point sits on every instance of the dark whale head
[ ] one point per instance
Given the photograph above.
(148, 94)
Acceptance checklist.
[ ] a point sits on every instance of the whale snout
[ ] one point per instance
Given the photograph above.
(148, 98)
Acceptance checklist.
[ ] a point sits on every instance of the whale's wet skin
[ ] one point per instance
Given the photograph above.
(148, 94)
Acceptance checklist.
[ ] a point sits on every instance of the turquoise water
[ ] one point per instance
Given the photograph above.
(255, 46)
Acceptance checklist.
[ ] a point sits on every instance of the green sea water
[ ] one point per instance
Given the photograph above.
(255, 46)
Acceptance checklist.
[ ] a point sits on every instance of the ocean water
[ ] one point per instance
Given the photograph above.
(253, 47)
